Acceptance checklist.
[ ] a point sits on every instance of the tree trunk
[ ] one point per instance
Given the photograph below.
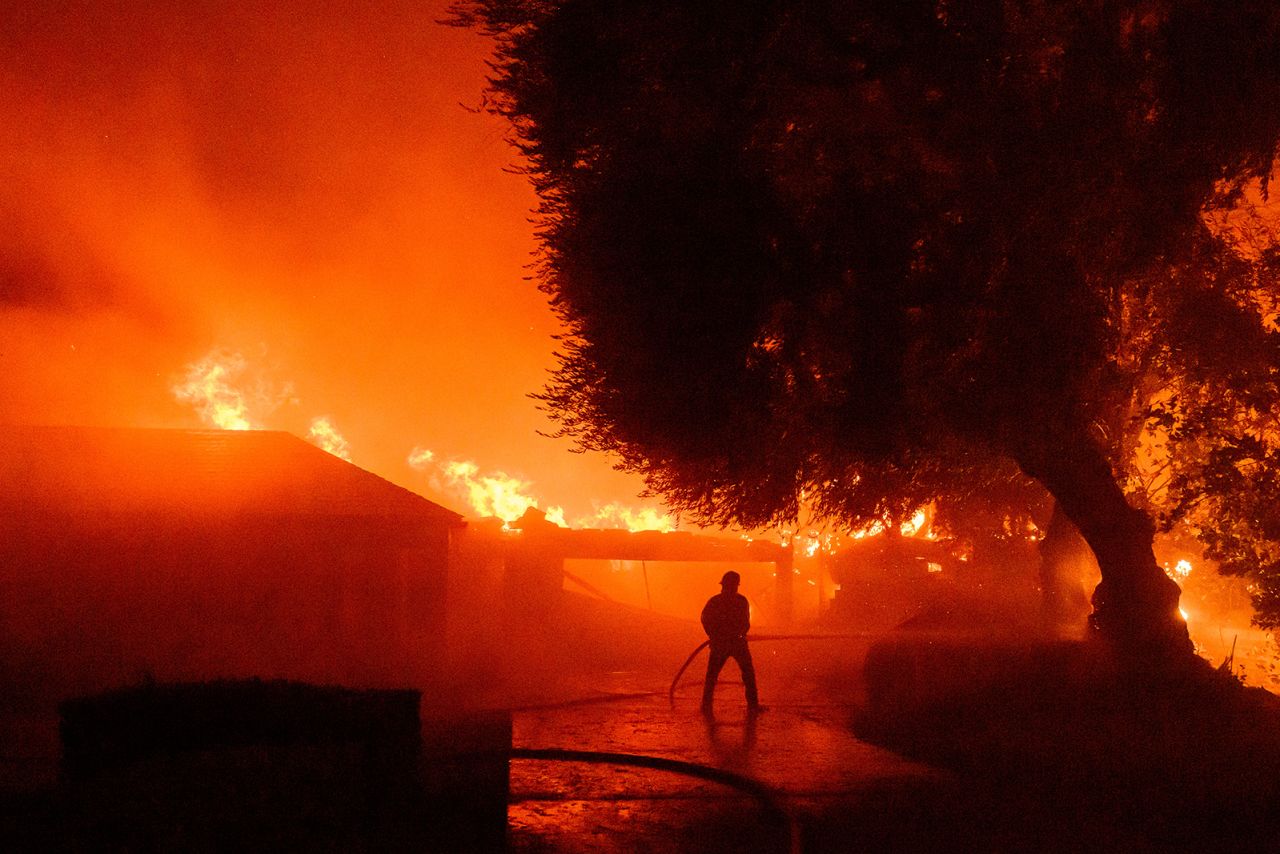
(1135, 607)
(1067, 569)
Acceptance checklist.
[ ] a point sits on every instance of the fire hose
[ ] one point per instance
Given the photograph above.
(671, 692)
(765, 795)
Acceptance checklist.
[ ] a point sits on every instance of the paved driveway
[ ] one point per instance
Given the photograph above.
(801, 749)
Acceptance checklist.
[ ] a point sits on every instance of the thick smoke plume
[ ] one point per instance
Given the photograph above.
(299, 180)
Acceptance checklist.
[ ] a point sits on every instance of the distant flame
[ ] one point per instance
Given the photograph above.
(420, 458)
(495, 493)
(875, 529)
(211, 387)
(487, 493)
(911, 527)
(614, 515)
(1179, 571)
(326, 437)
(227, 394)
(490, 494)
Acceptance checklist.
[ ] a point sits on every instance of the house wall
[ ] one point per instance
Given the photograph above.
(88, 605)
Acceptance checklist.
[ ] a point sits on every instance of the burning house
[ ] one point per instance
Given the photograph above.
(129, 555)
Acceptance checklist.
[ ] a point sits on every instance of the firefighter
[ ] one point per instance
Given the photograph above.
(726, 618)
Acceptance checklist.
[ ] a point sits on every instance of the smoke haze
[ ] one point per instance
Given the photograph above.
(299, 185)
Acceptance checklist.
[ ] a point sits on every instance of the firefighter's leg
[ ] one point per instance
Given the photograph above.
(715, 661)
(743, 657)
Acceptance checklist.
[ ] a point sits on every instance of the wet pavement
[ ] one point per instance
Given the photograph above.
(798, 778)
(801, 751)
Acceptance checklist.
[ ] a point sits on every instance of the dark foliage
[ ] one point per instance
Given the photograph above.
(1211, 461)
(1173, 764)
(851, 253)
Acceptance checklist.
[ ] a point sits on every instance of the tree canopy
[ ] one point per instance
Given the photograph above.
(842, 250)
(1212, 443)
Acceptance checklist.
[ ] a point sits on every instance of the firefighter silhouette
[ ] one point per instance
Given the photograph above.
(726, 618)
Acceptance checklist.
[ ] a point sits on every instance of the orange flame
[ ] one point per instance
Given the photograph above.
(913, 525)
(614, 515)
(492, 493)
(488, 493)
(1179, 571)
(227, 394)
(326, 437)
(224, 393)
(210, 385)
(495, 493)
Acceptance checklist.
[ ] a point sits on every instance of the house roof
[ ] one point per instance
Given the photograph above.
(208, 472)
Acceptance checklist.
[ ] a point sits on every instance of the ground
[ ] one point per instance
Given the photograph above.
(801, 748)
(1124, 769)
(923, 743)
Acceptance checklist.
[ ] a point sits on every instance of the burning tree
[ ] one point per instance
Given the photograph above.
(843, 250)
(1213, 455)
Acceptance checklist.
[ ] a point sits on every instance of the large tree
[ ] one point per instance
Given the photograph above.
(1211, 453)
(824, 249)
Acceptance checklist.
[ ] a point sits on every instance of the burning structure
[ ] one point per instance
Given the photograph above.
(134, 554)
(537, 562)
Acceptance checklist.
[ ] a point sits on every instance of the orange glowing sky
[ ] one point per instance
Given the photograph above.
(296, 183)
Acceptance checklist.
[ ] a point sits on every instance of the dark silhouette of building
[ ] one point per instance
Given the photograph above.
(129, 555)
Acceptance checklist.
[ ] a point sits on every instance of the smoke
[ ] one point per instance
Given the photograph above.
(181, 179)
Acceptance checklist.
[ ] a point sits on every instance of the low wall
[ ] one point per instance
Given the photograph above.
(256, 765)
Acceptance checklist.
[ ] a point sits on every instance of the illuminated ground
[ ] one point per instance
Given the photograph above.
(837, 792)
(801, 748)
(806, 782)
(826, 790)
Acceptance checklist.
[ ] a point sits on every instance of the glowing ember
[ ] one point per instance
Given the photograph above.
(1179, 571)
(326, 437)
(875, 529)
(919, 525)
